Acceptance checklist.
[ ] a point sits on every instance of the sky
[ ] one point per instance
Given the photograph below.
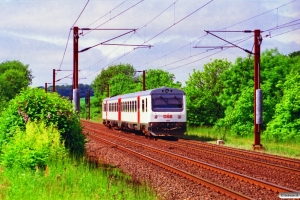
(36, 32)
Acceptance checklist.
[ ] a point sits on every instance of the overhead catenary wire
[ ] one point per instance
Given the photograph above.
(159, 33)
(259, 14)
(70, 34)
(286, 32)
(189, 43)
(203, 57)
(221, 29)
(108, 13)
(213, 48)
(114, 17)
(136, 32)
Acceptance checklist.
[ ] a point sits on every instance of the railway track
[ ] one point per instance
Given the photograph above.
(277, 160)
(199, 180)
(243, 158)
(240, 177)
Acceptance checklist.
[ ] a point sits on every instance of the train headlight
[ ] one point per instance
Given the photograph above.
(179, 116)
(155, 116)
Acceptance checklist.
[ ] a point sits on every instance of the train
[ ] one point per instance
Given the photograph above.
(155, 112)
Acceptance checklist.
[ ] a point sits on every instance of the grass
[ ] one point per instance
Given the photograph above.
(207, 134)
(71, 180)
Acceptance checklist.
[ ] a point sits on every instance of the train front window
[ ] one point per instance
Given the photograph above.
(162, 103)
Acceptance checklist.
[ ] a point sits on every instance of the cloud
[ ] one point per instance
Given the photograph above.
(35, 32)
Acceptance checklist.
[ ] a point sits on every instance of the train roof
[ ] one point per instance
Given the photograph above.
(162, 90)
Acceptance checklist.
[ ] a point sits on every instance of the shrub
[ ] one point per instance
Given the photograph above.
(35, 147)
(50, 108)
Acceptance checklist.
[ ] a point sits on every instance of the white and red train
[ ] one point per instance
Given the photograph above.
(156, 112)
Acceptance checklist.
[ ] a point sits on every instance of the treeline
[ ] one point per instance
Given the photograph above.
(67, 90)
(222, 94)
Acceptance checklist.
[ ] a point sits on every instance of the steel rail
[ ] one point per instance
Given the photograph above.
(196, 179)
(246, 153)
(251, 180)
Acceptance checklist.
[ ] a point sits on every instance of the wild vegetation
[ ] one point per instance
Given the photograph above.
(35, 104)
(41, 135)
(225, 96)
(14, 76)
(41, 154)
(221, 95)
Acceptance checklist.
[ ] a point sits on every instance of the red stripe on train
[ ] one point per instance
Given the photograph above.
(138, 109)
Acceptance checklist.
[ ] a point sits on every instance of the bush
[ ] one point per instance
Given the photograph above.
(50, 108)
(35, 147)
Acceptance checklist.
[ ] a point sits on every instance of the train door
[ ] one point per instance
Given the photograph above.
(119, 112)
(138, 113)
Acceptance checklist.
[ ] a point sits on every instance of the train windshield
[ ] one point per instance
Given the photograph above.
(167, 102)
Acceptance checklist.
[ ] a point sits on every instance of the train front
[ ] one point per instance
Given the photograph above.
(168, 116)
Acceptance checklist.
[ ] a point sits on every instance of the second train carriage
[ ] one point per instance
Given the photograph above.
(157, 112)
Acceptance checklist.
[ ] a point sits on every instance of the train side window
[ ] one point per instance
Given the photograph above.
(143, 106)
(146, 105)
(134, 106)
(133, 110)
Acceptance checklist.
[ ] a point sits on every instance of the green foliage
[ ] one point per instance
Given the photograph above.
(202, 90)
(71, 179)
(123, 79)
(35, 104)
(122, 84)
(237, 96)
(156, 78)
(13, 77)
(100, 83)
(35, 147)
(285, 125)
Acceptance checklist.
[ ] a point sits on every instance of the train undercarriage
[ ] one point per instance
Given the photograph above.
(150, 129)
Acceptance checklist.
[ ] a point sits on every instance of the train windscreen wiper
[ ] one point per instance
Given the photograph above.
(163, 99)
(178, 99)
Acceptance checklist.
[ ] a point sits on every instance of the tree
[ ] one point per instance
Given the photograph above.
(121, 84)
(156, 78)
(238, 97)
(34, 104)
(285, 124)
(100, 83)
(202, 89)
(13, 77)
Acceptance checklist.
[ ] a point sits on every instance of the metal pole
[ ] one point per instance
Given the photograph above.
(53, 90)
(75, 57)
(76, 97)
(257, 42)
(46, 87)
(144, 80)
(89, 104)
